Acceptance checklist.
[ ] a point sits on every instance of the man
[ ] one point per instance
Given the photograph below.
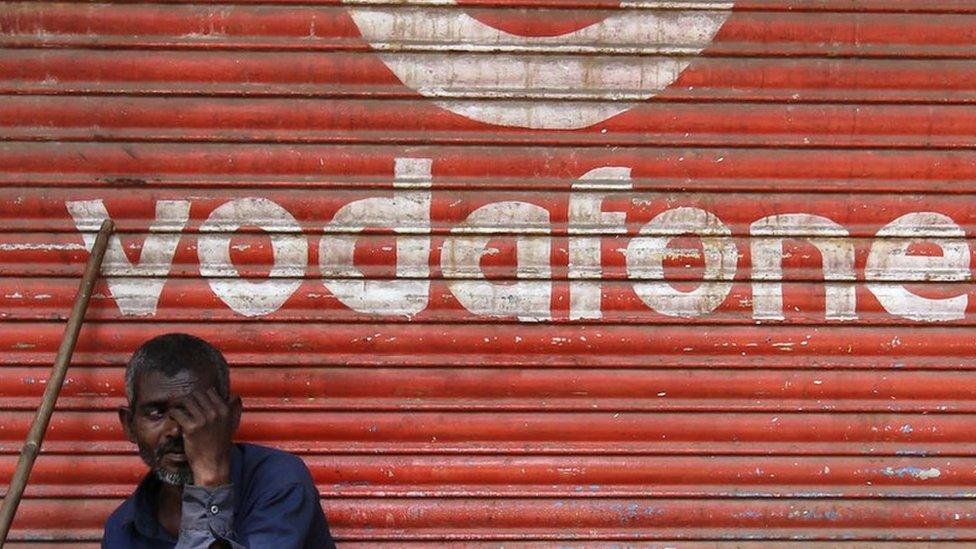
(203, 491)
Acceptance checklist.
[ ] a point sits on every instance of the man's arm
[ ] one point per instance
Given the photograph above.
(207, 517)
(281, 517)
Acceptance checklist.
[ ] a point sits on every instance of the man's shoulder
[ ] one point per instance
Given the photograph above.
(271, 466)
(119, 519)
(273, 475)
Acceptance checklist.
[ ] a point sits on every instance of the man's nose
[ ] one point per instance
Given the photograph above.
(172, 427)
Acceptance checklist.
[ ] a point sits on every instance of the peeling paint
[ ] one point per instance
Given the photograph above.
(17, 247)
(916, 473)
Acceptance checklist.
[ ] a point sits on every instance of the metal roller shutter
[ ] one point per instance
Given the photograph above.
(588, 271)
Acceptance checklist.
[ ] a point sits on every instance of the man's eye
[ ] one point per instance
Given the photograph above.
(154, 413)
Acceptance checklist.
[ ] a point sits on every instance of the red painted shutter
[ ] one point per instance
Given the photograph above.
(589, 271)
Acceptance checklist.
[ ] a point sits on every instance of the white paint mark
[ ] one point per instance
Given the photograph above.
(204, 36)
(16, 247)
(836, 249)
(645, 260)
(528, 300)
(138, 294)
(916, 473)
(889, 261)
(290, 252)
(556, 69)
(586, 216)
(404, 211)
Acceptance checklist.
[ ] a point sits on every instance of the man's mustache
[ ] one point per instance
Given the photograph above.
(172, 445)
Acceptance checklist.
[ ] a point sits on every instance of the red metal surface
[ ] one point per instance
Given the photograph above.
(563, 476)
(476, 518)
(174, 119)
(718, 303)
(275, 166)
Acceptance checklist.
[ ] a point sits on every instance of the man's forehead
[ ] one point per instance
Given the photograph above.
(154, 385)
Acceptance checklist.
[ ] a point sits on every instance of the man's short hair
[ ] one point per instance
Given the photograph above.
(171, 354)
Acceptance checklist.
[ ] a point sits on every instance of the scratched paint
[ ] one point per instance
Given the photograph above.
(913, 472)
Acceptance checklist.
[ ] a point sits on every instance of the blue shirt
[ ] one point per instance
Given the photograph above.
(270, 503)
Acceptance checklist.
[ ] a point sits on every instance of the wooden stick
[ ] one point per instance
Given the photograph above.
(35, 437)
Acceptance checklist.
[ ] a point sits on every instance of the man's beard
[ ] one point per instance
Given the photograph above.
(181, 476)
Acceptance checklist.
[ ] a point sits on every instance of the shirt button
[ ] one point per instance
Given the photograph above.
(214, 509)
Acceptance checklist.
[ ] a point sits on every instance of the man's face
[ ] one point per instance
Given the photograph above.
(149, 424)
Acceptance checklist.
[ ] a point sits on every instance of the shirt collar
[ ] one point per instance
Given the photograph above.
(139, 511)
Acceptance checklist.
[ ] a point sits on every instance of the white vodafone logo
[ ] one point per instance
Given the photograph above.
(570, 81)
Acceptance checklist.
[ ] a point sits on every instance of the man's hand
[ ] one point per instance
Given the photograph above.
(207, 427)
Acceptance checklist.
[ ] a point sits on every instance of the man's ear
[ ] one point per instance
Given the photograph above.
(236, 408)
(125, 418)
